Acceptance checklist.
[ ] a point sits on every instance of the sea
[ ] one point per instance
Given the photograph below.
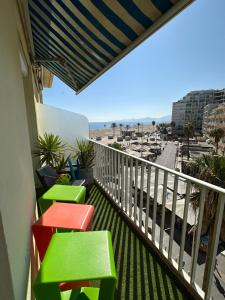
(101, 125)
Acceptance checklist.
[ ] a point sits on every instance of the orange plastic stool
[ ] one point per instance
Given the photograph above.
(77, 217)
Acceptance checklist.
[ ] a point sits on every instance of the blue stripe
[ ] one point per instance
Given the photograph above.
(53, 19)
(57, 73)
(39, 37)
(162, 5)
(99, 53)
(38, 45)
(136, 13)
(97, 24)
(63, 40)
(87, 30)
(60, 67)
(116, 20)
(60, 47)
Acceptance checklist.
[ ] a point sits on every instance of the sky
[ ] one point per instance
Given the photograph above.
(186, 54)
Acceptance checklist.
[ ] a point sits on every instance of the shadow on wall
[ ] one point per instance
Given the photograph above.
(6, 286)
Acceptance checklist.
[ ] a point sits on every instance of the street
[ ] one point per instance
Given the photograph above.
(168, 156)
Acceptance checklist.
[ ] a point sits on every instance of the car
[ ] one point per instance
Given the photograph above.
(119, 139)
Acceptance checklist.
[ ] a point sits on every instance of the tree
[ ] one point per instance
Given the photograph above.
(153, 123)
(138, 125)
(217, 134)
(188, 132)
(209, 168)
(127, 127)
(113, 126)
(50, 149)
(173, 124)
(121, 127)
(117, 146)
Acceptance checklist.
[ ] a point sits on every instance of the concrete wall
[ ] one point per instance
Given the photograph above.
(68, 125)
(17, 193)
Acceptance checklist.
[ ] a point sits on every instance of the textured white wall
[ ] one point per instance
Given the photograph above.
(17, 193)
(68, 125)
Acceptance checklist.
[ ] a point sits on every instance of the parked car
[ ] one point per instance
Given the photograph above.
(119, 139)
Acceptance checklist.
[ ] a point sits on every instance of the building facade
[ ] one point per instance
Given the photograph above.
(191, 107)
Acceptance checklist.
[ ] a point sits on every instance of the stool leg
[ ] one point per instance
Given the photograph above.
(42, 237)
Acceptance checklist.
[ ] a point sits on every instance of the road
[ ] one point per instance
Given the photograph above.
(168, 156)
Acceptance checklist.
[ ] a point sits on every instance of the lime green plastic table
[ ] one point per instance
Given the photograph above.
(62, 193)
(77, 256)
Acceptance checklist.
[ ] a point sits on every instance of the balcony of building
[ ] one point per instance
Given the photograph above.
(144, 205)
(155, 201)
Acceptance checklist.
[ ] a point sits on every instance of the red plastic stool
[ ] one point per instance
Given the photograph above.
(60, 215)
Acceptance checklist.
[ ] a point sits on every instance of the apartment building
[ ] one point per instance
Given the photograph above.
(215, 118)
(191, 107)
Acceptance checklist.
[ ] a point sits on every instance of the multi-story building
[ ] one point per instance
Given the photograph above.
(215, 118)
(191, 107)
(206, 117)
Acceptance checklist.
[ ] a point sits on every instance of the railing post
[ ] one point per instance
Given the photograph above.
(122, 182)
(147, 199)
(213, 247)
(131, 187)
(126, 185)
(163, 210)
(184, 226)
(155, 203)
(141, 195)
(197, 235)
(173, 217)
(135, 191)
(119, 178)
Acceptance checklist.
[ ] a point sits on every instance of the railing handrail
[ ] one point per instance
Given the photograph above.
(184, 176)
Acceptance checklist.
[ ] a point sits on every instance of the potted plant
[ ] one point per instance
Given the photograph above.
(50, 149)
(86, 155)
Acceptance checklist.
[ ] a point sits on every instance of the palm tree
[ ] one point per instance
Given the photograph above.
(127, 127)
(50, 149)
(173, 124)
(188, 131)
(121, 127)
(217, 134)
(138, 125)
(210, 168)
(113, 126)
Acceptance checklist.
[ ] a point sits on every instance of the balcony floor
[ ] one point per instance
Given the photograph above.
(140, 273)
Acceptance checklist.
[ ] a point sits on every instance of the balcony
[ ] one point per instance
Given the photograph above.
(154, 202)
(140, 272)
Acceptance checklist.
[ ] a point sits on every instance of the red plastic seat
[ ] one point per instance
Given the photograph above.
(76, 217)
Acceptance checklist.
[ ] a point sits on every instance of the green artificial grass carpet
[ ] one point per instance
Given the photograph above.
(140, 274)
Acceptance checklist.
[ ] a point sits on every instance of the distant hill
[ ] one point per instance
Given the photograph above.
(163, 119)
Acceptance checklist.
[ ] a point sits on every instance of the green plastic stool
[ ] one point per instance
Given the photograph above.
(79, 256)
(62, 193)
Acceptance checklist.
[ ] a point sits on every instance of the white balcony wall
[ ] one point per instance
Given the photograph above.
(17, 192)
(68, 125)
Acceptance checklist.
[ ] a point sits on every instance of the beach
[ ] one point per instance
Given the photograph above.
(105, 132)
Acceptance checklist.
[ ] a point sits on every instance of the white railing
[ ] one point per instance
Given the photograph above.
(157, 200)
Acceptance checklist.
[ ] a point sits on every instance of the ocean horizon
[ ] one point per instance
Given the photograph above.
(101, 125)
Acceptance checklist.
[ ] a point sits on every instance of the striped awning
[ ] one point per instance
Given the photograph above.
(79, 40)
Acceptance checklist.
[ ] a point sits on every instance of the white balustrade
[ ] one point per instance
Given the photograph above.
(148, 193)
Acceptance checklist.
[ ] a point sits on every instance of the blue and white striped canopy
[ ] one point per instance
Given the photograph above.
(79, 40)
